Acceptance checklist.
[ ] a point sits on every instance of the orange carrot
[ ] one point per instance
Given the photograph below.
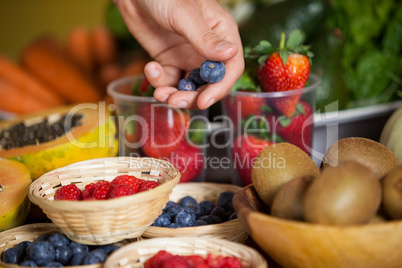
(134, 67)
(28, 83)
(17, 101)
(59, 73)
(79, 48)
(104, 45)
(107, 73)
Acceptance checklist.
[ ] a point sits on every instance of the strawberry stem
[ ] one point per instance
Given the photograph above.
(282, 42)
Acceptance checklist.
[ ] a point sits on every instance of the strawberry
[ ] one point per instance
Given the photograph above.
(297, 130)
(188, 160)
(164, 129)
(143, 88)
(245, 149)
(283, 69)
(249, 105)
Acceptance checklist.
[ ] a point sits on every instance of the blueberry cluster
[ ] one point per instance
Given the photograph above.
(187, 212)
(209, 72)
(55, 250)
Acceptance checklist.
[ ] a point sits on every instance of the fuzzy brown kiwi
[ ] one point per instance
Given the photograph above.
(392, 193)
(347, 194)
(288, 202)
(365, 151)
(278, 164)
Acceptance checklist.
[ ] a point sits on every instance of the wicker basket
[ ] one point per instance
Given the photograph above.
(231, 230)
(136, 254)
(105, 221)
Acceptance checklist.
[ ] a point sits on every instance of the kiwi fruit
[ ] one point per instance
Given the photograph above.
(277, 164)
(347, 194)
(288, 202)
(392, 193)
(367, 152)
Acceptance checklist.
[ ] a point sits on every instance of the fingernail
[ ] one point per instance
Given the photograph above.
(223, 45)
(180, 104)
(152, 71)
(210, 102)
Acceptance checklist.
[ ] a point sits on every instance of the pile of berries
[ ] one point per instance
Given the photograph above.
(187, 212)
(55, 250)
(164, 259)
(120, 186)
(209, 72)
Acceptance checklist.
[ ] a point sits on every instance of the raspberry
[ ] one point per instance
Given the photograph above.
(102, 191)
(129, 180)
(88, 191)
(157, 260)
(68, 192)
(176, 262)
(120, 190)
(148, 185)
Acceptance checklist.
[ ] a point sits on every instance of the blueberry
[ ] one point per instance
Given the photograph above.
(78, 258)
(212, 71)
(197, 211)
(173, 225)
(194, 76)
(28, 263)
(43, 237)
(108, 249)
(12, 256)
(63, 254)
(78, 248)
(225, 198)
(53, 264)
(220, 212)
(206, 207)
(229, 206)
(173, 210)
(186, 85)
(188, 202)
(41, 252)
(58, 240)
(168, 205)
(162, 220)
(211, 219)
(233, 216)
(185, 217)
(95, 256)
(200, 223)
(22, 246)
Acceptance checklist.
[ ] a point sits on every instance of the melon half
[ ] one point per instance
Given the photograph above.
(95, 136)
(14, 203)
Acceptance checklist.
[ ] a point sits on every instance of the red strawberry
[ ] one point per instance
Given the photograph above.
(245, 149)
(143, 88)
(148, 185)
(120, 190)
(68, 192)
(285, 70)
(297, 130)
(164, 130)
(249, 105)
(133, 182)
(188, 160)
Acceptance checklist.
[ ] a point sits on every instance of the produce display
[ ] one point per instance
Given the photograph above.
(391, 134)
(164, 259)
(55, 250)
(122, 185)
(188, 213)
(56, 137)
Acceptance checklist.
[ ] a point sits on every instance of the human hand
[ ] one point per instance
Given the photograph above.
(179, 35)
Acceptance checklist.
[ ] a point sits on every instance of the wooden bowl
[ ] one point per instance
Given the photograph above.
(300, 244)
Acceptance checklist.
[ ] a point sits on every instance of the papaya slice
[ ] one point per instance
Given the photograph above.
(14, 203)
(53, 138)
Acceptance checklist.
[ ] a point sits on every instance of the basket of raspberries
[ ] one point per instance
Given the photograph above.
(105, 200)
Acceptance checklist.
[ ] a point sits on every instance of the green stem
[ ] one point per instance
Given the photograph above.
(282, 42)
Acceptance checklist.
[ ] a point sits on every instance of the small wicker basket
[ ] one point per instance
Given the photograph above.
(105, 221)
(136, 254)
(231, 230)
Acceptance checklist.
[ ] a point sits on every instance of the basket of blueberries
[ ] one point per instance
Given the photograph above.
(44, 245)
(199, 209)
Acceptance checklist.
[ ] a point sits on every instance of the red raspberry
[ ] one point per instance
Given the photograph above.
(68, 192)
(196, 261)
(148, 185)
(157, 260)
(129, 180)
(120, 190)
(176, 262)
(231, 262)
(88, 191)
(102, 191)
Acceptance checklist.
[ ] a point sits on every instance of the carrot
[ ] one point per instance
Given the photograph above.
(15, 100)
(28, 83)
(104, 45)
(59, 73)
(134, 67)
(79, 48)
(107, 74)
